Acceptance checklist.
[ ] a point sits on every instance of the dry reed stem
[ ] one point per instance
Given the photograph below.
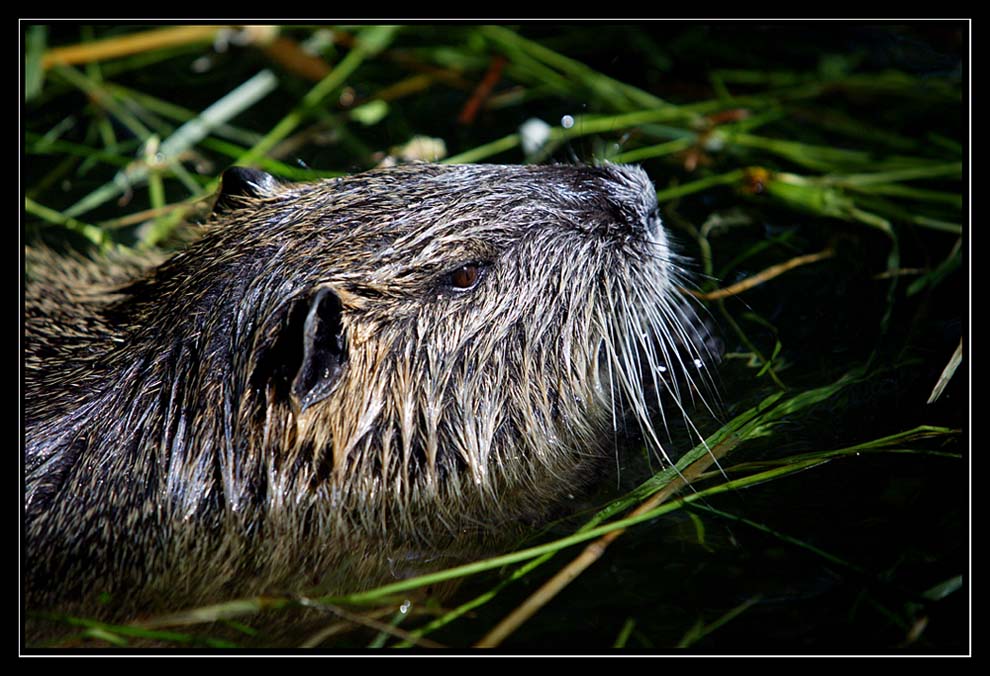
(112, 48)
(761, 277)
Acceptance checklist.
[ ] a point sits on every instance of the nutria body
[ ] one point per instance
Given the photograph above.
(337, 382)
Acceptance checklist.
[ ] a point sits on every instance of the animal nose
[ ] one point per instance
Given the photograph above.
(633, 200)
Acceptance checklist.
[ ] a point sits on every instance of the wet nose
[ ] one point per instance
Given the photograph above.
(633, 198)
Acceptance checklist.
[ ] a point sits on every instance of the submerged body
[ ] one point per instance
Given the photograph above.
(338, 382)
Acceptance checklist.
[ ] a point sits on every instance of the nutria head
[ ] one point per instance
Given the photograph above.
(338, 376)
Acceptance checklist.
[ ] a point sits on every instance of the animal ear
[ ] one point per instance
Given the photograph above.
(239, 182)
(324, 350)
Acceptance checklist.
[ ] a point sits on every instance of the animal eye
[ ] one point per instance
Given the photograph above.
(465, 277)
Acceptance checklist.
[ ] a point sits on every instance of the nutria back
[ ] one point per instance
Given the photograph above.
(338, 382)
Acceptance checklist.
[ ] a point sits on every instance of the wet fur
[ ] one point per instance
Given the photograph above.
(175, 456)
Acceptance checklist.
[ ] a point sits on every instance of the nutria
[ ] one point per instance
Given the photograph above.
(338, 382)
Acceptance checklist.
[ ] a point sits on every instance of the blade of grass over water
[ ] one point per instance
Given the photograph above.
(369, 42)
(831, 159)
(34, 72)
(698, 631)
(181, 114)
(96, 235)
(102, 98)
(189, 134)
(119, 634)
(620, 95)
